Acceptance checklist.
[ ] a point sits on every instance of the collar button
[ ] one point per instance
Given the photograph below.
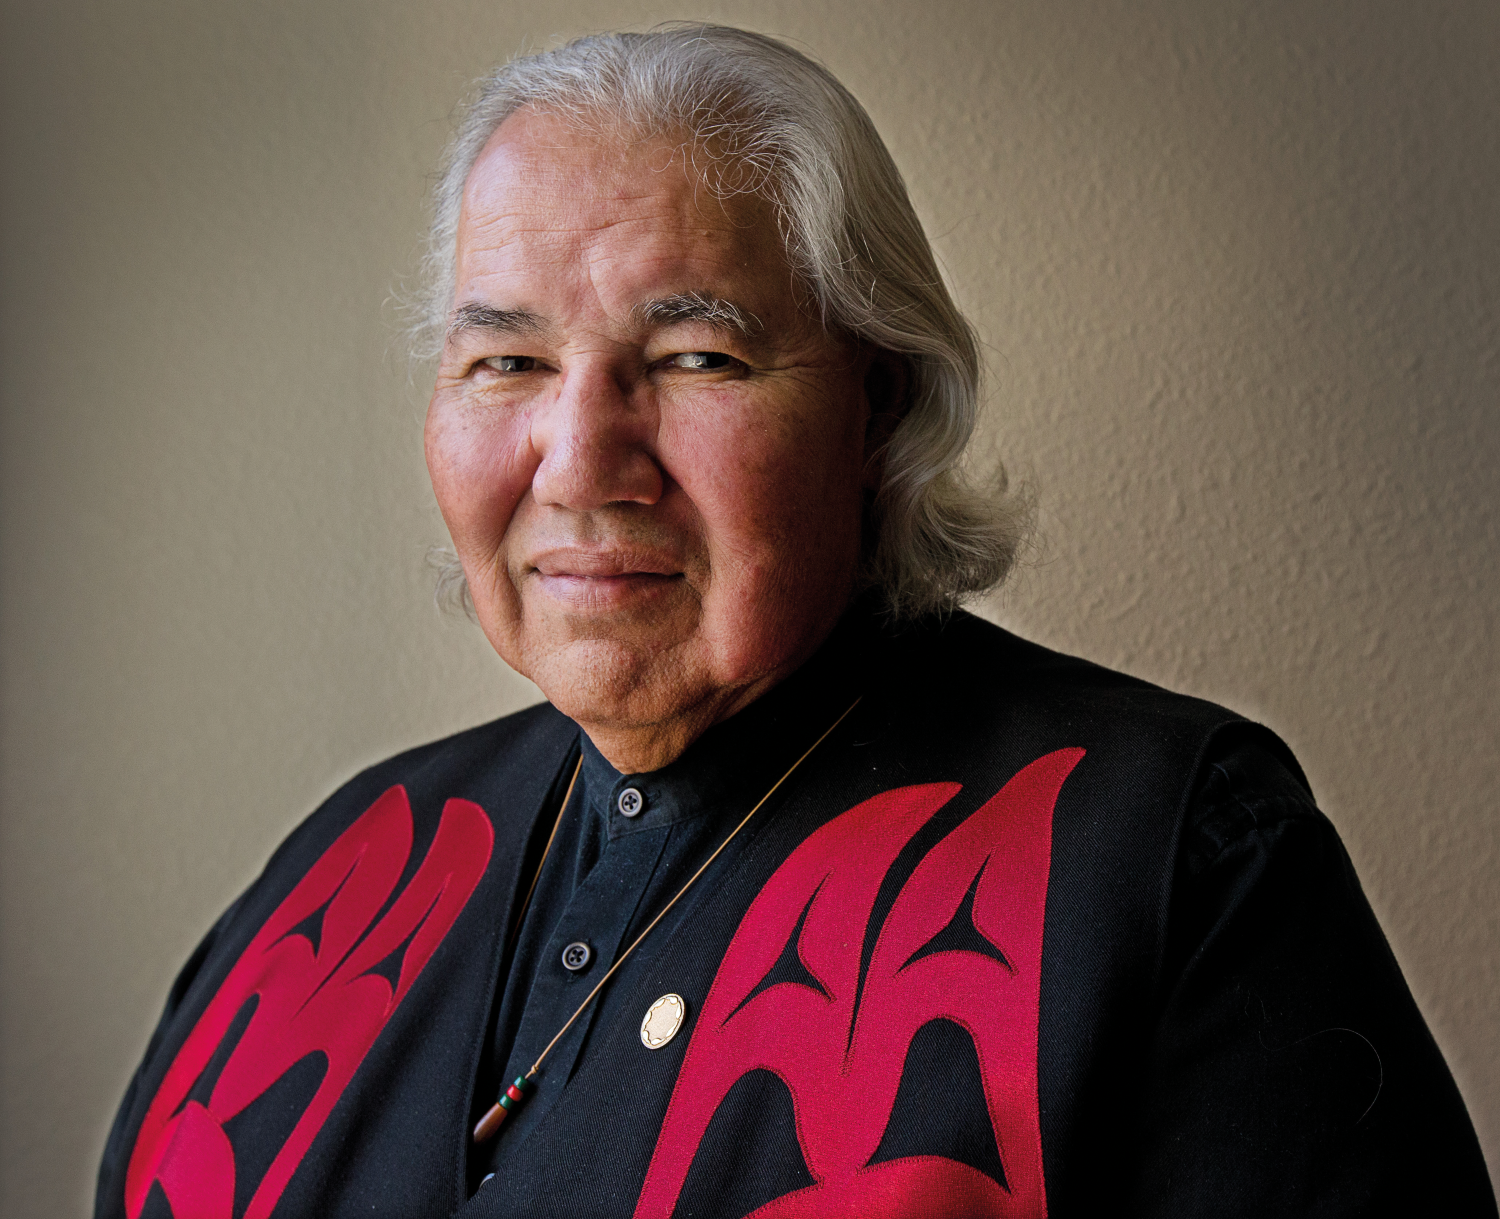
(631, 802)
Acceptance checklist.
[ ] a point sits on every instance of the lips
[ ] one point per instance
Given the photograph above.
(603, 564)
(600, 580)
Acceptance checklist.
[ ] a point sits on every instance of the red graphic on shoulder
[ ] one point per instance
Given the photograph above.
(801, 993)
(319, 981)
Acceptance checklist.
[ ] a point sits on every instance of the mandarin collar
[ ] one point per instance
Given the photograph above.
(732, 765)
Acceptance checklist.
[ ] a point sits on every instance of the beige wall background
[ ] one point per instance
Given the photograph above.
(1236, 264)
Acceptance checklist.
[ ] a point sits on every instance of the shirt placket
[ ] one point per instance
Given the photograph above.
(598, 915)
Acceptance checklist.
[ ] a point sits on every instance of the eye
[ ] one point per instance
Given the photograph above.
(510, 363)
(700, 361)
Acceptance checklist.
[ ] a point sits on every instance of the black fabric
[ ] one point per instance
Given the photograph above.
(267, 1122)
(1222, 1029)
(607, 875)
(392, 1144)
(940, 1106)
(1289, 1059)
(749, 1155)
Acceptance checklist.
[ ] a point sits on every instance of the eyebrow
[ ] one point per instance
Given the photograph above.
(697, 307)
(500, 321)
(660, 311)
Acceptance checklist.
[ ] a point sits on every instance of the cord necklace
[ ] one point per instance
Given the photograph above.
(516, 1093)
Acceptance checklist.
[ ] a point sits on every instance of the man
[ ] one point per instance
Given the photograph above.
(805, 894)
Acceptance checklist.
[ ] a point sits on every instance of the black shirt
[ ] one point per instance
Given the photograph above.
(1023, 936)
(608, 874)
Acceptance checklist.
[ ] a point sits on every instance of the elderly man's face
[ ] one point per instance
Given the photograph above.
(650, 457)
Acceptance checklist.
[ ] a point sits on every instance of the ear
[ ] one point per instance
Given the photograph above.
(888, 392)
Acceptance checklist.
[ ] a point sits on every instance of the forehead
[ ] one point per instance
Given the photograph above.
(603, 219)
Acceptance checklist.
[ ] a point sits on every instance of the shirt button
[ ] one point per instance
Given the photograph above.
(630, 802)
(576, 955)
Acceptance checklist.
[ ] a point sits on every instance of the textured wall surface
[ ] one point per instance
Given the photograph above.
(1236, 266)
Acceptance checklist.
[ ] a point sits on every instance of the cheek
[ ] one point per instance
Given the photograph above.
(481, 465)
(774, 487)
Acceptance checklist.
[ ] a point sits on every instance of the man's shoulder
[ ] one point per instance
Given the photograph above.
(518, 739)
(980, 663)
(962, 684)
(505, 766)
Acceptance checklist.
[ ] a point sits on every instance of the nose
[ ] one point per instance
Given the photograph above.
(594, 443)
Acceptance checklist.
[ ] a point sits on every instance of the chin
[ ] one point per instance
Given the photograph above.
(620, 685)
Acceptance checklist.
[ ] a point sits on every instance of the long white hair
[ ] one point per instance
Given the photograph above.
(761, 117)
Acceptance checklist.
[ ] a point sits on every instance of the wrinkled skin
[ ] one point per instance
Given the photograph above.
(659, 517)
